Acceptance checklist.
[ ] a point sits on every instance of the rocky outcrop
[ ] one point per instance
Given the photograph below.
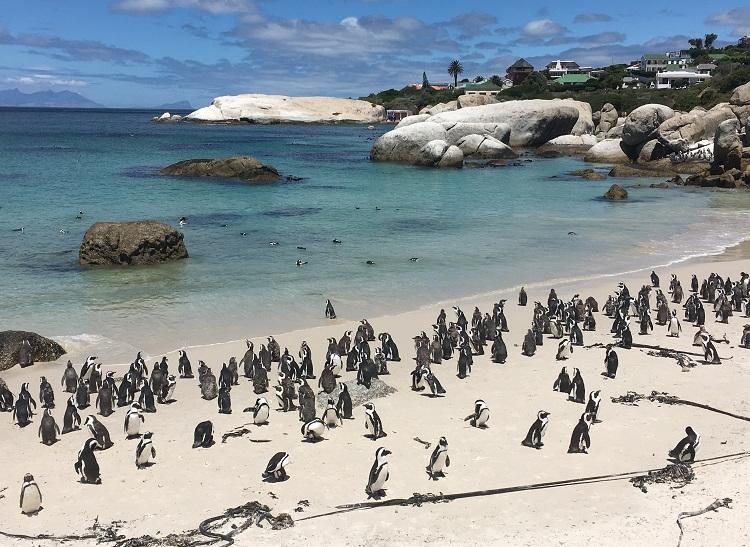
(167, 118)
(465, 101)
(411, 120)
(263, 109)
(485, 147)
(131, 243)
(42, 349)
(739, 102)
(567, 145)
(642, 123)
(532, 122)
(439, 153)
(607, 151)
(585, 123)
(727, 145)
(450, 106)
(244, 168)
(403, 144)
(683, 130)
(588, 174)
(651, 150)
(456, 131)
(616, 193)
(607, 119)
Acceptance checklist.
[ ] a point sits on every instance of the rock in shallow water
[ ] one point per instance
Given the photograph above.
(42, 349)
(131, 243)
(616, 193)
(245, 168)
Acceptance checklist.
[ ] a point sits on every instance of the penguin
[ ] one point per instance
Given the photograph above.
(576, 335)
(133, 420)
(674, 327)
(626, 341)
(369, 330)
(202, 370)
(436, 388)
(264, 357)
(167, 390)
(655, 280)
(327, 380)
(529, 344)
(146, 399)
(145, 453)
(22, 412)
(25, 354)
(234, 376)
(306, 401)
(88, 367)
(390, 350)
(98, 431)
(225, 400)
(592, 407)
(345, 343)
(260, 379)
(381, 363)
(104, 400)
(564, 350)
(611, 362)
(373, 423)
(580, 440)
(647, 325)
(248, 360)
(69, 378)
(577, 392)
(31, 496)
(276, 468)
(124, 392)
(589, 321)
(464, 361)
(6, 398)
(710, 355)
(344, 404)
(261, 411)
(48, 429)
(536, 431)
(274, 349)
(331, 417)
(522, 297)
(46, 394)
(499, 350)
(95, 378)
(313, 430)
(330, 313)
(694, 284)
(86, 466)
(183, 366)
(745, 339)
(367, 371)
(209, 389)
(306, 365)
(562, 383)
(687, 448)
(481, 415)
(203, 436)
(439, 460)
(82, 394)
(500, 320)
(71, 420)
(378, 474)
(287, 394)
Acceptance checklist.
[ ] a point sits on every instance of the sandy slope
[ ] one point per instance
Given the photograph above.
(186, 485)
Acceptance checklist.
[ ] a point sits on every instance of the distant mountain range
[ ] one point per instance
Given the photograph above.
(179, 105)
(49, 98)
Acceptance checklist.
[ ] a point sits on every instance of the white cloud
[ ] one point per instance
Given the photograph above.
(543, 28)
(45, 80)
(216, 7)
(738, 19)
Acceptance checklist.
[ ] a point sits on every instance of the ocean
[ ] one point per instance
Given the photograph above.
(473, 230)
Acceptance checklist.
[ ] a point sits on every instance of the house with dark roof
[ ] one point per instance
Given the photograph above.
(519, 71)
(561, 68)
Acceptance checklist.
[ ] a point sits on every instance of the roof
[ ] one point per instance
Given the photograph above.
(573, 79)
(717, 56)
(563, 64)
(705, 66)
(661, 56)
(682, 74)
(521, 63)
(483, 86)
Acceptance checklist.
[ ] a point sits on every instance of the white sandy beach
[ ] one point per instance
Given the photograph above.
(186, 486)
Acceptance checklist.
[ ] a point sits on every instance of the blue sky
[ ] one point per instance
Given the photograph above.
(146, 52)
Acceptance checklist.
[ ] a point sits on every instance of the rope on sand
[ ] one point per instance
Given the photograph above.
(631, 397)
(49, 537)
(713, 507)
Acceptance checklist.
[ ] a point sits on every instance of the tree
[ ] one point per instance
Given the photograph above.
(454, 69)
(709, 40)
(697, 43)
(478, 79)
(497, 80)
(425, 81)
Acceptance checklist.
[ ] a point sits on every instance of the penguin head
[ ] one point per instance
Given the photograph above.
(542, 414)
(369, 406)
(91, 444)
(42, 380)
(90, 420)
(147, 435)
(48, 411)
(381, 454)
(691, 432)
(443, 442)
(28, 477)
(588, 417)
(135, 406)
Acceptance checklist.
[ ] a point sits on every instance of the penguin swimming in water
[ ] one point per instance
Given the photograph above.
(330, 313)
(276, 468)
(687, 448)
(580, 440)
(611, 362)
(48, 429)
(562, 383)
(313, 430)
(31, 496)
(439, 460)
(577, 392)
(331, 417)
(203, 436)
(71, 420)
(98, 431)
(133, 420)
(481, 415)
(592, 407)
(86, 465)
(536, 431)
(674, 325)
(184, 369)
(378, 474)
(145, 453)
(225, 400)
(70, 378)
(344, 404)
(564, 350)
(373, 423)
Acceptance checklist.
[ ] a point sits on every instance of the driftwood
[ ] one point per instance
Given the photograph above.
(680, 473)
(631, 398)
(425, 443)
(239, 431)
(713, 507)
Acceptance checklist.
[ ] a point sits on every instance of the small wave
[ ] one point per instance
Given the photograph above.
(292, 212)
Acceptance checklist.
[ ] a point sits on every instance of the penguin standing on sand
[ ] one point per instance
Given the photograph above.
(439, 460)
(481, 415)
(577, 392)
(745, 338)
(167, 390)
(46, 394)
(125, 391)
(6, 397)
(655, 280)
(184, 369)
(104, 400)
(611, 362)
(373, 423)
(580, 440)
(306, 367)
(209, 389)
(592, 407)
(146, 399)
(83, 399)
(562, 383)
(674, 325)
(88, 367)
(225, 400)
(564, 350)
(465, 361)
(344, 404)
(626, 340)
(710, 355)
(646, 325)
(436, 388)
(69, 378)
(86, 466)
(327, 380)
(48, 429)
(274, 349)
(261, 411)
(98, 431)
(95, 378)
(499, 350)
(31, 496)
(331, 416)
(203, 436)
(522, 297)
(145, 453)
(576, 335)
(389, 347)
(133, 420)
(276, 468)
(345, 343)
(687, 448)
(71, 420)
(536, 431)
(306, 401)
(529, 344)
(378, 474)
(22, 412)
(313, 430)
(330, 313)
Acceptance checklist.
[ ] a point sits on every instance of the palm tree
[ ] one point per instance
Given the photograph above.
(454, 69)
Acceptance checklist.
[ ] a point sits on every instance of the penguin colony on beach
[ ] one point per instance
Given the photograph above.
(142, 389)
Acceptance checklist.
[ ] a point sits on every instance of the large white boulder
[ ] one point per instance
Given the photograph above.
(573, 140)
(450, 106)
(485, 147)
(256, 108)
(456, 131)
(740, 103)
(404, 144)
(439, 153)
(607, 151)
(727, 145)
(465, 101)
(607, 119)
(532, 122)
(679, 132)
(411, 120)
(642, 123)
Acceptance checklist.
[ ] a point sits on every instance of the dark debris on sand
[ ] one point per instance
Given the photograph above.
(359, 393)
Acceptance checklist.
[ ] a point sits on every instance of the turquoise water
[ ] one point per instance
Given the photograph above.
(475, 230)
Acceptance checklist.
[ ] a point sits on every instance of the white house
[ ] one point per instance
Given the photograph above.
(679, 78)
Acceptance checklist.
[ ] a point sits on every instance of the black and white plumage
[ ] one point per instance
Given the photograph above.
(481, 414)
(71, 420)
(86, 465)
(184, 368)
(562, 383)
(372, 422)
(331, 416)
(577, 391)
(31, 496)
(580, 440)
(133, 420)
(276, 468)
(687, 448)
(564, 350)
(98, 431)
(592, 407)
(313, 430)
(537, 430)
(145, 453)
(674, 326)
(611, 362)
(439, 460)
(710, 355)
(203, 436)
(48, 429)
(261, 411)
(379, 474)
